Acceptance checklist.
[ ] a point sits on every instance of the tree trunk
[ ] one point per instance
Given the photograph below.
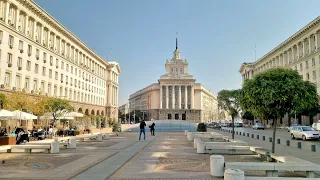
(274, 135)
(310, 120)
(232, 127)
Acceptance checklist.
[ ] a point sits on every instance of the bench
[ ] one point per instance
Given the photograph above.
(239, 147)
(279, 178)
(97, 137)
(193, 135)
(4, 148)
(67, 142)
(106, 136)
(53, 147)
(268, 167)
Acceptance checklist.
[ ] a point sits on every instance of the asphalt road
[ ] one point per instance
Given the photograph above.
(281, 134)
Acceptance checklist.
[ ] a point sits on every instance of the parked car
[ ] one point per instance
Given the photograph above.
(258, 126)
(304, 132)
(316, 126)
(214, 125)
(293, 125)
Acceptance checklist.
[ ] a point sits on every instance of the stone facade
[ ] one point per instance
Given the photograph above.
(176, 95)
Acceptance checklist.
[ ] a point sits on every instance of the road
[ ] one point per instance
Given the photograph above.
(281, 134)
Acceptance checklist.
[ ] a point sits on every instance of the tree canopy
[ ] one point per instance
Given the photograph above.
(56, 106)
(3, 101)
(247, 115)
(275, 92)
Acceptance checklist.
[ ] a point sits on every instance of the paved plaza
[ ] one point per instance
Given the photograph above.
(164, 156)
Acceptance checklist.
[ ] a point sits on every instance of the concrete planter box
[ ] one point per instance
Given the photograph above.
(7, 140)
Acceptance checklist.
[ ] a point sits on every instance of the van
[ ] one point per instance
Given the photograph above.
(316, 126)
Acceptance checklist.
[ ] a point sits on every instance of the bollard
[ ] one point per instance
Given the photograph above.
(278, 141)
(252, 135)
(299, 145)
(288, 142)
(216, 165)
(201, 147)
(54, 147)
(99, 137)
(233, 174)
(106, 136)
(270, 139)
(313, 147)
(257, 136)
(72, 144)
(195, 142)
(185, 132)
(263, 138)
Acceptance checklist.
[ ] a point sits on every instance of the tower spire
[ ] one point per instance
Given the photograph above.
(176, 40)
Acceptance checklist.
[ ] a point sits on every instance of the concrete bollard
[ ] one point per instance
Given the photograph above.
(313, 147)
(233, 174)
(257, 136)
(201, 147)
(278, 141)
(288, 142)
(106, 137)
(185, 132)
(72, 143)
(54, 147)
(195, 142)
(216, 165)
(270, 139)
(99, 137)
(263, 138)
(299, 145)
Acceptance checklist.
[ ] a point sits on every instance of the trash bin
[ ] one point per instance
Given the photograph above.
(216, 165)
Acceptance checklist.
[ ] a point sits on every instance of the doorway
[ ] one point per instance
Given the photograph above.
(184, 117)
(169, 116)
(176, 116)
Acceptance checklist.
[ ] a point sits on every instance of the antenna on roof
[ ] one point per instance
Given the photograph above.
(176, 40)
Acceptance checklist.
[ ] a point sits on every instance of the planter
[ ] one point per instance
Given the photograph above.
(7, 140)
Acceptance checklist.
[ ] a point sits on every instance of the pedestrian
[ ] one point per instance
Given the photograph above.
(142, 130)
(152, 128)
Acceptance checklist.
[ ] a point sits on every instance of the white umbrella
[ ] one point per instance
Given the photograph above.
(23, 115)
(5, 113)
(72, 114)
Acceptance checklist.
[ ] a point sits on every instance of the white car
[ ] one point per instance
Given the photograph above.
(304, 132)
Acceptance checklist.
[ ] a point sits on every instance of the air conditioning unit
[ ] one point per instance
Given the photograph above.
(61, 81)
(1, 18)
(2, 86)
(9, 64)
(11, 46)
(44, 61)
(37, 57)
(57, 67)
(50, 64)
(21, 50)
(19, 68)
(12, 25)
(14, 88)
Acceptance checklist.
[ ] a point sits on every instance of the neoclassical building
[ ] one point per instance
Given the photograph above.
(176, 95)
(38, 55)
(300, 52)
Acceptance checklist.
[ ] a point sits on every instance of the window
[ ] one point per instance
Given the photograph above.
(56, 75)
(7, 79)
(71, 69)
(67, 79)
(28, 65)
(171, 69)
(50, 73)
(181, 70)
(55, 90)
(51, 60)
(49, 89)
(314, 74)
(307, 64)
(0, 54)
(44, 57)
(43, 71)
(35, 84)
(75, 70)
(301, 67)
(57, 63)
(26, 83)
(29, 50)
(9, 59)
(42, 86)
(307, 75)
(37, 54)
(176, 69)
(1, 35)
(67, 67)
(20, 45)
(313, 62)
(62, 64)
(61, 77)
(36, 68)
(19, 63)
(296, 68)
(18, 82)
(11, 40)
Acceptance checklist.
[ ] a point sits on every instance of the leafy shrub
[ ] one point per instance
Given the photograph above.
(202, 127)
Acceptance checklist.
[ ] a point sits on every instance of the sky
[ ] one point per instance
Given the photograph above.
(216, 36)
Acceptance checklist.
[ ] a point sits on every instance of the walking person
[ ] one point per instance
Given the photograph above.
(152, 128)
(142, 130)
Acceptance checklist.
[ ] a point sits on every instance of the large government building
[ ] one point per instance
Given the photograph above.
(300, 52)
(40, 56)
(176, 95)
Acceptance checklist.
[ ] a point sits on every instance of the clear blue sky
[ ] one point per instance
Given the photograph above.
(215, 36)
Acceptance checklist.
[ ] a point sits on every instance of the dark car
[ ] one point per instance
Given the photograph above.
(214, 125)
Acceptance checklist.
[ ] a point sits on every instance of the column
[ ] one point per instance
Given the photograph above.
(192, 97)
(316, 41)
(167, 97)
(185, 97)
(48, 39)
(17, 18)
(109, 94)
(179, 100)
(34, 29)
(54, 42)
(26, 25)
(160, 97)
(7, 12)
(304, 47)
(173, 97)
(309, 39)
(298, 52)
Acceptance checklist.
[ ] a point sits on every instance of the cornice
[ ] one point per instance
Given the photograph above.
(41, 13)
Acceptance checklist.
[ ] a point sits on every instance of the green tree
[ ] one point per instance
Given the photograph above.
(228, 100)
(39, 105)
(19, 101)
(3, 101)
(248, 116)
(56, 106)
(273, 93)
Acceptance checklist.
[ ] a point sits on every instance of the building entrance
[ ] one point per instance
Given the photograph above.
(176, 116)
(184, 117)
(169, 116)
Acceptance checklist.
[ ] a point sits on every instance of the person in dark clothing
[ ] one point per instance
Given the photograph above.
(152, 128)
(142, 130)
